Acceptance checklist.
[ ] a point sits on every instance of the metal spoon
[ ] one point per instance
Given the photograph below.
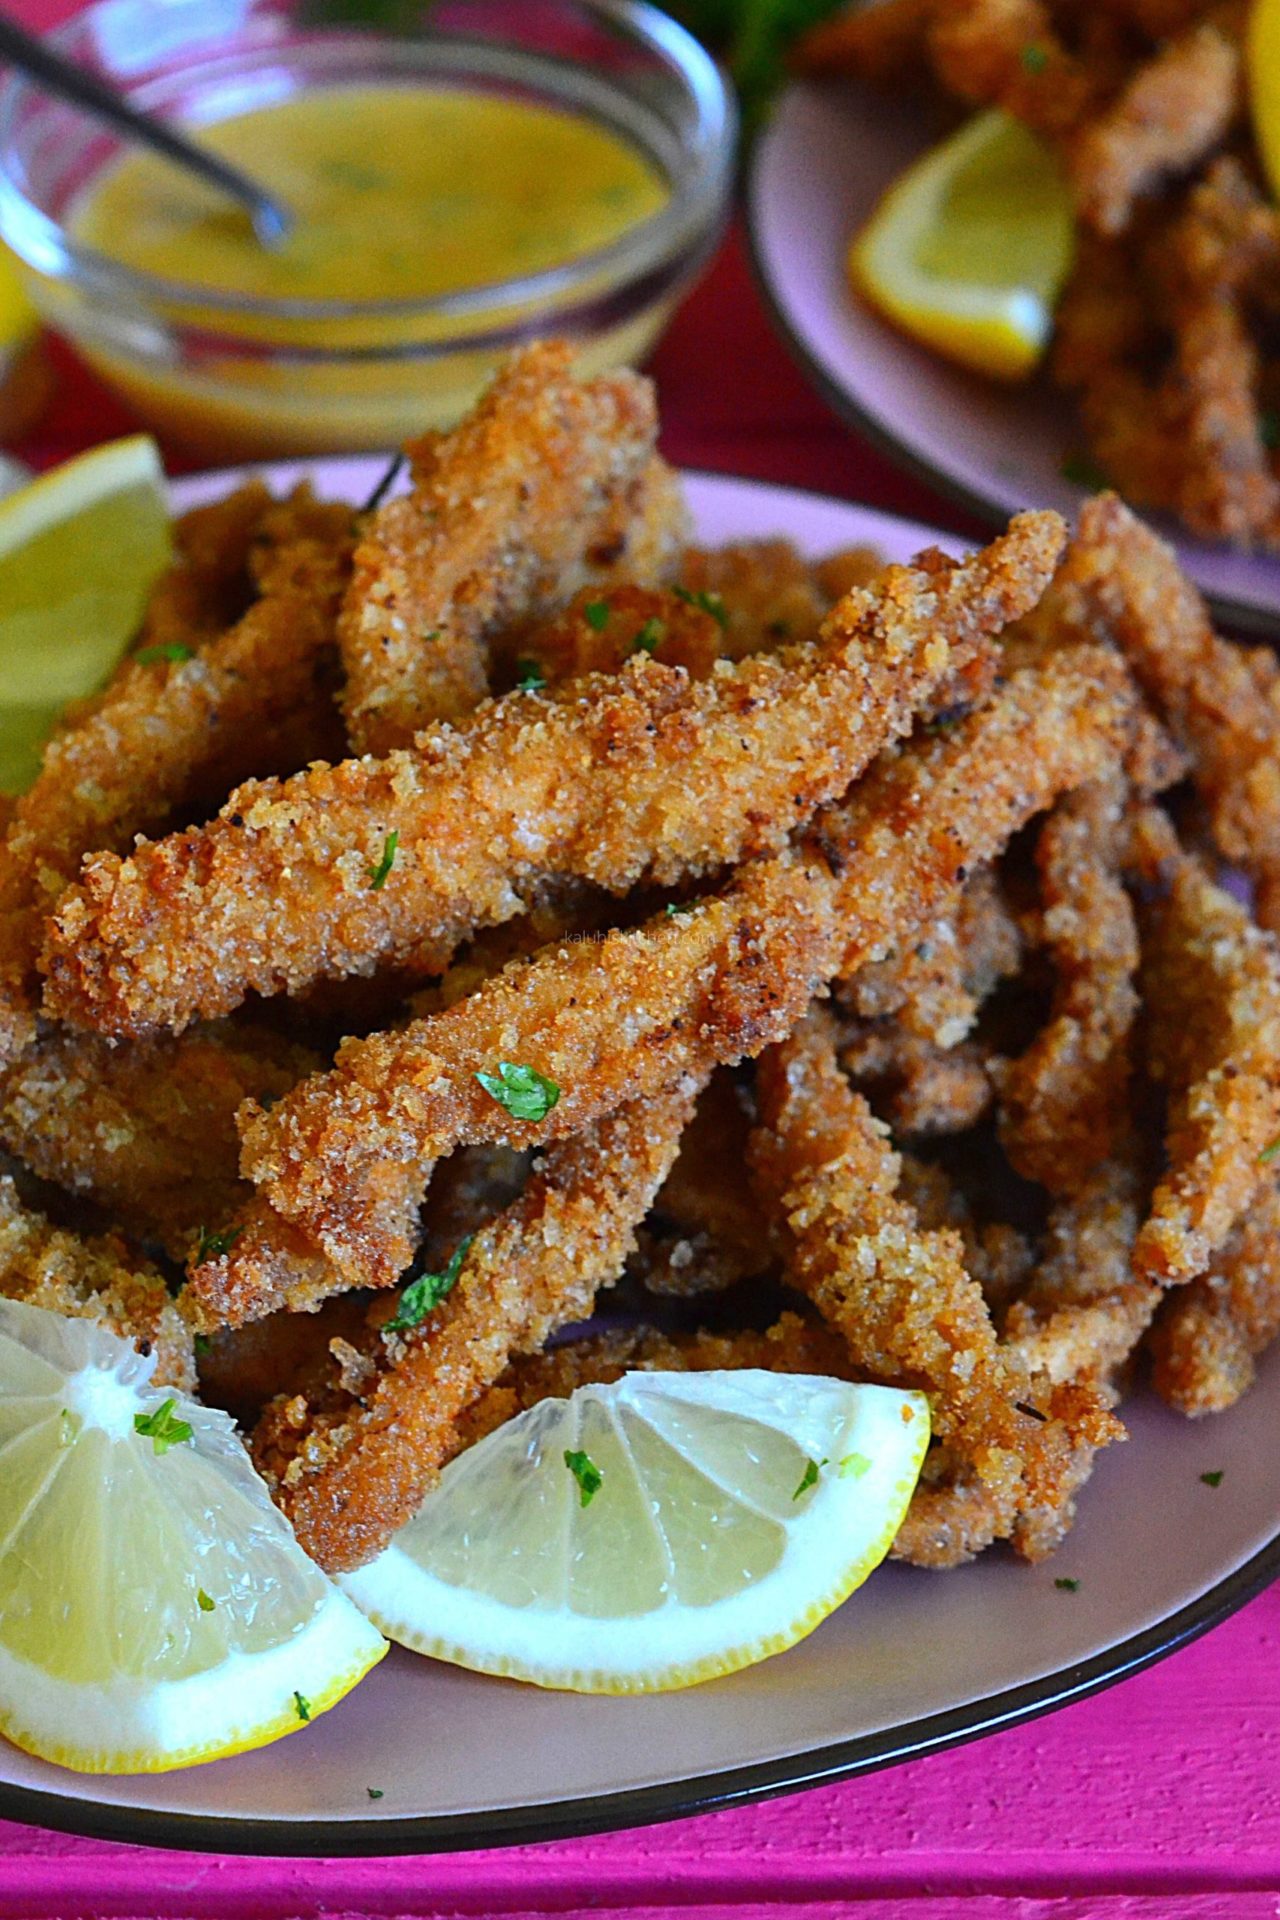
(62, 77)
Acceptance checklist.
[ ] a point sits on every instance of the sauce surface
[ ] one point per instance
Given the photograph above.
(400, 192)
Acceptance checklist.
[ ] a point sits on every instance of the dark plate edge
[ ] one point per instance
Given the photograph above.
(1241, 615)
(673, 1800)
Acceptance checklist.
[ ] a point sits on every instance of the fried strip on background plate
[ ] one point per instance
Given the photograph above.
(347, 1155)
(350, 1473)
(1205, 1343)
(1210, 983)
(619, 778)
(93, 1279)
(521, 504)
(172, 733)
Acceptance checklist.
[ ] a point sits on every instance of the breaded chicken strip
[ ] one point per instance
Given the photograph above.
(1211, 987)
(525, 501)
(175, 732)
(616, 779)
(1064, 1103)
(148, 1132)
(900, 1296)
(1209, 1334)
(208, 586)
(354, 1468)
(93, 1279)
(935, 986)
(347, 1155)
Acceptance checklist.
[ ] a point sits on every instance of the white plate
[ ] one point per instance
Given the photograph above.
(913, 1662)
(817, 172)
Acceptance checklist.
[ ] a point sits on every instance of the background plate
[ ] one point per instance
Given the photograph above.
(914, 1661)
(817, 172)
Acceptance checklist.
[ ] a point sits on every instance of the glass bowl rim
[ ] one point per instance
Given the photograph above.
(695, 207)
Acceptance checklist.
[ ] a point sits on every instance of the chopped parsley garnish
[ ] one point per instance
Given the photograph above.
(302, 1707)
(427, 1291)
(202, 1344)
(854, 1465)
(596, 615)
(1213, 1479)
(212, 1246)
(649, 638)
(586, 1473)
(706, 602)
(170, 650)
(1065, 1585)
(809, 1478)
(1034, 59)
(162, 1428)
(1269, 1153)
(676, 907)
(1081, 471)
(523, 1091)
(378, 874)
(374, 1793)
(205, 1601)
(69, 1427)
(529, 676)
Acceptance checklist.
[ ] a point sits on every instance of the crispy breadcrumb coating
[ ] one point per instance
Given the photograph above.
(640, 775)
(92, 1279)
(1209, 1334)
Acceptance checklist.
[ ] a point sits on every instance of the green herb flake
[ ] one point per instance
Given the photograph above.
(586, 1473)
(162, 1428)
(205, 1602)
(374, 1793)
(854, 1466)
(1034, 59)
(809, 1478)
(1064, 1585)
(596, 615)
(302, 1707)
(212, 1246)
(706, 603)
(529, 676)
(523, 1091)
(1213, 1479)
(650, 636)
(1269, 1153)
(675, 909)
(378, 874)
(175, 650)
(68, 1428)
(1082, 471)
(202, 1344)
(427, 1291)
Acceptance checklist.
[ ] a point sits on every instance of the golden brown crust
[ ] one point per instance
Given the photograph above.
(1205, 1344)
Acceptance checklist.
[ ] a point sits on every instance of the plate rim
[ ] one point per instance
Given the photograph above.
(629, 1807)
(1240, 615)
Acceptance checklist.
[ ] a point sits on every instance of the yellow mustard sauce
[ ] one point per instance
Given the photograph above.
(401, 193)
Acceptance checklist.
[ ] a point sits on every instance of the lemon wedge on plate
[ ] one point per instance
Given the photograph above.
(1262, 68)
(155, 1609)
(652, 1533)
(80, 549)
(970, 249)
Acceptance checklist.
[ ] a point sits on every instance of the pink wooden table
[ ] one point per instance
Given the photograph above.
(1159, 1800)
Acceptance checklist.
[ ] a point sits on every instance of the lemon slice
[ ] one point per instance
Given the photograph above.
(18, 320)
(969, 250)
(80, 550)
(652, 1533)
(1262, 68)
(155, 1609)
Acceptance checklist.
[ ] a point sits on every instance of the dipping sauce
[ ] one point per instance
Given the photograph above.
(400, 193)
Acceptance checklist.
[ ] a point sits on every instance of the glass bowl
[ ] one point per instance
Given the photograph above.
(238, 376)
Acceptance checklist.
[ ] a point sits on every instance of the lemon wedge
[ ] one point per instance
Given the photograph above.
(653, 1533)
(80, 549)
(155, 1609)
(1262, 69)
(969, 250)
(19, 323)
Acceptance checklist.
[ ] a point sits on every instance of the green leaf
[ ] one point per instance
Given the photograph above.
(809, 1478)
(649, 638)
(378, 874)
(162, 1428)
(523, 1091)
(171, 650)
(586, 1473)
(596, 615)
(212, 1246)
(530, 677)
(705, 602)
(302, 1707)
(420, 1296)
